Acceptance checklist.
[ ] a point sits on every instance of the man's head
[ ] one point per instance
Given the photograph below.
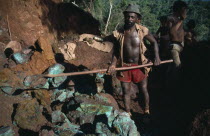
(180, 8)
(131, 15)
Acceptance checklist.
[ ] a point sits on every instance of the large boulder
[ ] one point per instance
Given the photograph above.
(29, 115)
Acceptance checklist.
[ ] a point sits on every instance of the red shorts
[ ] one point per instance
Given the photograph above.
(133, 75)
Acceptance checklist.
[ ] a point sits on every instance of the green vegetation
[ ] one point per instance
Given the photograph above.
(151, 10)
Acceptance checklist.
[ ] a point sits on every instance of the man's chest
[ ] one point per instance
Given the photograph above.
(131, 39)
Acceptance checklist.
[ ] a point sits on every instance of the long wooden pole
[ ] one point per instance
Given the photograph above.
(104, 70)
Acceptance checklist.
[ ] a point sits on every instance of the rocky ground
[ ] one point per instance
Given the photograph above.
(34, 34)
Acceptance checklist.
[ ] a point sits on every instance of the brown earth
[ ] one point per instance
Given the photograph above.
(8, 104)
(91, 57)
(41, 24)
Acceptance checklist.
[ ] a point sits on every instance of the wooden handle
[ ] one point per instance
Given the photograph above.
(104, 70)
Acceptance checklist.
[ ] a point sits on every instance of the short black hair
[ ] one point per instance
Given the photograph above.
(178, 5)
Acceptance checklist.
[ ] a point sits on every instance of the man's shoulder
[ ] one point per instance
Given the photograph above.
(142, 29)
(117, 32)
(141, 26)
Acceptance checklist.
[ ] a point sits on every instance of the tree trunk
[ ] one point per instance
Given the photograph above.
(107, 23)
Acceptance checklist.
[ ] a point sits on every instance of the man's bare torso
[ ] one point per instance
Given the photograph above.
(131, 47)
(176, 31)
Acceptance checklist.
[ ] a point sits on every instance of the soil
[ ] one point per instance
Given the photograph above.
(7, 112)
(91, 57)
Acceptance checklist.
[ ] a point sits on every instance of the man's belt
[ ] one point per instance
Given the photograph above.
(175, 42)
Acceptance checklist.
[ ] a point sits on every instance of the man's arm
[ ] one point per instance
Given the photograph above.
(174, 24)
(152, 41)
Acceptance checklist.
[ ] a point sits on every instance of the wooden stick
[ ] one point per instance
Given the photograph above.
(104, 70)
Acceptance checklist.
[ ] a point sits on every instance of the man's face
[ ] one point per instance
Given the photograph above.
(183, 13)
(130, 19)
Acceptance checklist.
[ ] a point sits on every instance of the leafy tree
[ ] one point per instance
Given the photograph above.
(151, 10)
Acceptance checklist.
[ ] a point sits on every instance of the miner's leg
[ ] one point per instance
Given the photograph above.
(143, 85)
(127, 95)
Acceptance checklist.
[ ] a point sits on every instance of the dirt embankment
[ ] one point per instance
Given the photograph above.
(42, 24)
(48, 21)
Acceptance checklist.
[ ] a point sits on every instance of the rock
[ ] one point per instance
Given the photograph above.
(108, 99)
(99, 110)
(45, 132)
(86, 112)
(124, 125)
(68, 51)
(19, 57)
(120, 122)
(102, 129)
(56, 69)
(67, 129)
(36, 82)
(46, 47)
(15, 46)
(29, 115)
(62, 94)
(44, 97)
(8, 90)
(10, 81)
(93, 42)
(6, 131)
(58, 116)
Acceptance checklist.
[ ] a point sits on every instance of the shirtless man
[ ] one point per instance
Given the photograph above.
(129, 51)
(176, 31)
